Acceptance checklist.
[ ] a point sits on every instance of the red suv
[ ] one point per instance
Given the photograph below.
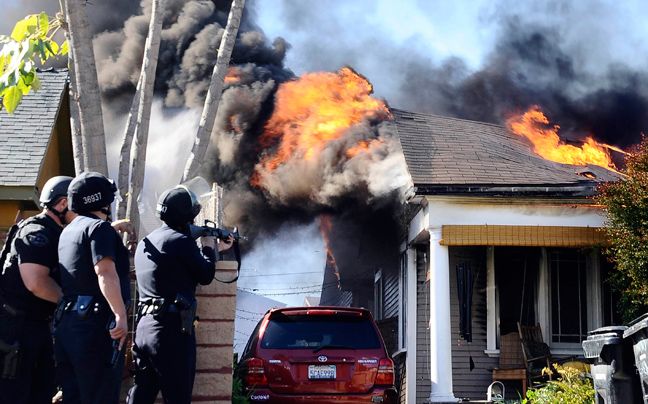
(317, 355)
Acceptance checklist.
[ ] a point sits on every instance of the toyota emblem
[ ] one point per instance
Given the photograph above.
(322, 358)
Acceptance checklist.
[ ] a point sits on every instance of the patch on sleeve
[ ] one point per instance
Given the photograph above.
(38, 239)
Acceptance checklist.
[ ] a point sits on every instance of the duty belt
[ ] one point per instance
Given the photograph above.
(81, 303)
(156, 307)
(185, 308)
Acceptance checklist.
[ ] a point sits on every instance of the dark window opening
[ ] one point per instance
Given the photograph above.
(568, 296)
(516, 277)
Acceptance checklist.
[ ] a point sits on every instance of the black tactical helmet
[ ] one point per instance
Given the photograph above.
(54, 188)
(178, 206)
(90, 191)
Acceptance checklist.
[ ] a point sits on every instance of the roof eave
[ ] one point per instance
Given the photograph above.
(546, 191)
(22, 194)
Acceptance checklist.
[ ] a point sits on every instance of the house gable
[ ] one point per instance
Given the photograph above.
(35, 145)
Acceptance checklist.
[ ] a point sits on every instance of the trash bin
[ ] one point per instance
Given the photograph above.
(637, 332)
(612, 366)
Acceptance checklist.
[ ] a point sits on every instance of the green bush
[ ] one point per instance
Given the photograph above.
(238, 394)
(625, 204)
(572, 388)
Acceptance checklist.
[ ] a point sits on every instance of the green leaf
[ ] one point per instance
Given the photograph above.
(20, 31)
(42, 50)
(36, 84)
(43, 23)
(63, 50)
(11, 99)
(23, 87)
(52, 48)
(28, 79)
(32, 24)
(5, 39)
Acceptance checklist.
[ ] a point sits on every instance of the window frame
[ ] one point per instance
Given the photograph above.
(379, 294)
(543, 304)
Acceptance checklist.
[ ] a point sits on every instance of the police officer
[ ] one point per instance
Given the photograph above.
(92, 314)
(29, 289)
(169, 265)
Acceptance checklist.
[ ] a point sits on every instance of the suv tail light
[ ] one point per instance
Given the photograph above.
(385, 372)
(254, 373)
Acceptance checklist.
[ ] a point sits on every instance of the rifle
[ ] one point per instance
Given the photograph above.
(210, 229)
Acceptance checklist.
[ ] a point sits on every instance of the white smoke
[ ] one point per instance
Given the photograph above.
(171, 135)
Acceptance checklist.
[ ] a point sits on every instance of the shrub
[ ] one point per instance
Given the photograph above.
(572, 388)
(626, 211)
(238, 394)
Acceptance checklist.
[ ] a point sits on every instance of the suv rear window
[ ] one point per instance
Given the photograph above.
(314, 331)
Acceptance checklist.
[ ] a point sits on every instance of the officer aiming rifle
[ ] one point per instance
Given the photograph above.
(169, 265)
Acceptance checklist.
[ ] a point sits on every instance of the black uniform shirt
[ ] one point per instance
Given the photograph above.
(84, 242)
(35, 243)
(168, 263)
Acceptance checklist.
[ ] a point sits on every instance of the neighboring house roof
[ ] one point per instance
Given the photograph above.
(449, 156)
(25, 135)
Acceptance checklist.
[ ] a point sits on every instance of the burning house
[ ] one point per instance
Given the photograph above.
(525, 229)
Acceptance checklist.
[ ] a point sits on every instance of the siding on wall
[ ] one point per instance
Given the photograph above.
(345, 299)
(423, 385)
(465, 383)
(390, 292)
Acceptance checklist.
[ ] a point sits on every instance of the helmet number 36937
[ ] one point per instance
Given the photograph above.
(92, 198)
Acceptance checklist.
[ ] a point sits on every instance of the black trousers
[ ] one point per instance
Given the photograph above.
(83, 355)
(36, 383)
(165, 360)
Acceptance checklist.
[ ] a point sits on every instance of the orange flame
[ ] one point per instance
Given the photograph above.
(326, 228)
(363, 146)
(314, 110)
(232, 76)
(548, 145)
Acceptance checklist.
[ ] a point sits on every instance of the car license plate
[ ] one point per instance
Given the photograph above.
(321, 372)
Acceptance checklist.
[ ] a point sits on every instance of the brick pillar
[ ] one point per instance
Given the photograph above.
(215, 337)
(215, 330)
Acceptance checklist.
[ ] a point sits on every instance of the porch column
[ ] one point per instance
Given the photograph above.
(440, 332)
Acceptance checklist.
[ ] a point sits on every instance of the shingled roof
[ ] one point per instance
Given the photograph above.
(25, 135)
(449, 155)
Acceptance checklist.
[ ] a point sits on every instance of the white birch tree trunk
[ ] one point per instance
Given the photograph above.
(123, 175)
(77, 139)
(145, 93)
(214, 93)
(87, 94)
